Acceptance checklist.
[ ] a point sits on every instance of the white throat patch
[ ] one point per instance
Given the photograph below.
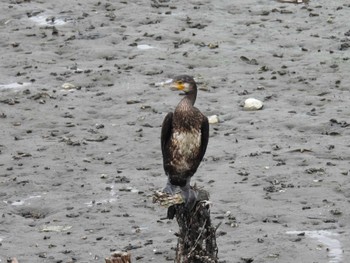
(186, 87)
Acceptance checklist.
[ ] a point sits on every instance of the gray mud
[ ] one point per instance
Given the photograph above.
(79, 162)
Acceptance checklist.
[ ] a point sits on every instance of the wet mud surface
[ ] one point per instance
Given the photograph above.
(80, 118)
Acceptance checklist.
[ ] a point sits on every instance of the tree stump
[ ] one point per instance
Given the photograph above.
(197, 236)
(119, 257)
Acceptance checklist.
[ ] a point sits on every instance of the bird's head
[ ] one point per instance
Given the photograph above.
(184, 83)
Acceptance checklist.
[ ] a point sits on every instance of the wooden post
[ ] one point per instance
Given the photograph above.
(196, 237)
(119, 257)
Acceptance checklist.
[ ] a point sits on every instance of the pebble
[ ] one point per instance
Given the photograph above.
(213, 119)
(132, 101)
(103, 176)
(252, 104)
(213, 45)
(68, 86)
(144, 47)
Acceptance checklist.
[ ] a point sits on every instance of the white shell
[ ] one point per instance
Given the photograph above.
(144, 47)
(252, 104)
(68, 86)
(213, 119)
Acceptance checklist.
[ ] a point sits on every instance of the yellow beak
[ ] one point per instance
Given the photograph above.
(177, 86)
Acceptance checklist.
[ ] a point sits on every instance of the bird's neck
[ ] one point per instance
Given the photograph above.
(186, 104)
(190, 98)
(183, 111)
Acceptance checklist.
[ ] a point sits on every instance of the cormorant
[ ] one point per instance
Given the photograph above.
(184, 140)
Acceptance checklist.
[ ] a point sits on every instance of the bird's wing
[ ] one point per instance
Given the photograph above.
(166, 131)
(205, 137)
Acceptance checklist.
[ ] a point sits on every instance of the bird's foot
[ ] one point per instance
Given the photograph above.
(167, 199)
(190, 197)
(171, 189)
(175, 195)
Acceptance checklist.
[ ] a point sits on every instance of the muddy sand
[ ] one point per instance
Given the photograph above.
(81, 115)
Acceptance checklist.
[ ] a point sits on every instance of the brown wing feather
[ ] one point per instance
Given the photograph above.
(167, 128)
(205, 137)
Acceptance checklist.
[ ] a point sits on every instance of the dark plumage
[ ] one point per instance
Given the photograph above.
(184, 139)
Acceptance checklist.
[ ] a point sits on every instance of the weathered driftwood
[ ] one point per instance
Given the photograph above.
(197, 236)
(13, 260)
(119, 257)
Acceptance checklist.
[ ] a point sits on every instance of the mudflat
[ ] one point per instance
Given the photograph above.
(81, 109)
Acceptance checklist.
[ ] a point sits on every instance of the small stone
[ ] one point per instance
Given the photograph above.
(68, 86)
(335, 212)
(213, 45)
(252, 104)
(213, 119)
(103, 176)
(132, 101)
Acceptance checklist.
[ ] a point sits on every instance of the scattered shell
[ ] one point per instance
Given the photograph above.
(144, 47)
(100, 138)
(68, 86)
(132, 101)
(213, 45)
(252, 61)
(213, 119)
(252, 104)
